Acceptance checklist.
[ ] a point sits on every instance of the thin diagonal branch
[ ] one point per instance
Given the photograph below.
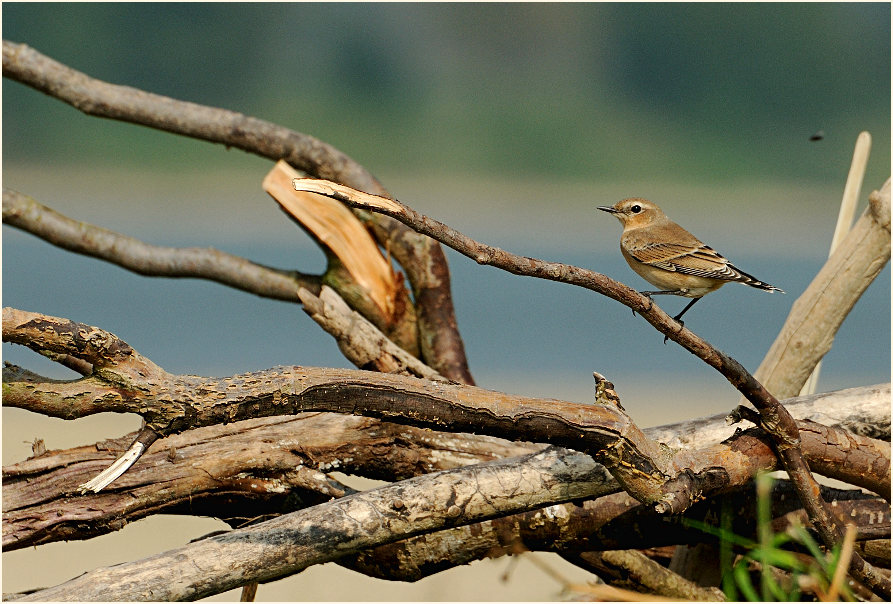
(775, 419)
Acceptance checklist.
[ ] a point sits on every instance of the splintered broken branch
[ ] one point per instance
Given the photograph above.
(356, 267)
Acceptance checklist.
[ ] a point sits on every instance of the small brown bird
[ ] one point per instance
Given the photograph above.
(668, 256)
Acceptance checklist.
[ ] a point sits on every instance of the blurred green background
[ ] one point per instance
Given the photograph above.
(701, 91)
(510, 122)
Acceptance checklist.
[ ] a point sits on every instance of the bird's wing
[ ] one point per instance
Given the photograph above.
(699, 260)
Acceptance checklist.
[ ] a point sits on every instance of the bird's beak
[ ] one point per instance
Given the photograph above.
(608, 209)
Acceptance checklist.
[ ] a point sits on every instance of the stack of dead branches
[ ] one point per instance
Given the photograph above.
(465, 482)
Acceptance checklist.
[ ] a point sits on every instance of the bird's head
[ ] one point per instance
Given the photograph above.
(635, 212)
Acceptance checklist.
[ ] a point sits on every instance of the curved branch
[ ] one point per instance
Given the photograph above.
(422, 259)
(774, 418)
(23, 212)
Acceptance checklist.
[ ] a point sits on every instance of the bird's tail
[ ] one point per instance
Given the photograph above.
(754, 282)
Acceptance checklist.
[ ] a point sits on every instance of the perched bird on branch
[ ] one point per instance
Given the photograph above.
(668, 256)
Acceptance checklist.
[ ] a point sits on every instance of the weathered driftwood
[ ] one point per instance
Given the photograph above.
(817, 314)
(126, 382)
(260, 465)
(615, 521)
(234, 472)
(289, 543)
(275, 548)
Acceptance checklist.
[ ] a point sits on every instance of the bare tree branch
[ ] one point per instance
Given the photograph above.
(360, 340)
(421, 258)
(25, 213)
(774, 418)
(257, 467)
(646, 574)
(172, 403)
(615, 521)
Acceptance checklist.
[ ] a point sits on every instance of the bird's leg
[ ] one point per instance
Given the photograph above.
(678, 318)
(661, 292)
(673, 292)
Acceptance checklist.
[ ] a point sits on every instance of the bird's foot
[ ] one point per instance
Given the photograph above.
(650, 302)
(681, 326)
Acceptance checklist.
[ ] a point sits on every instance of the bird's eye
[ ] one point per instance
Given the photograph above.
(636, 209)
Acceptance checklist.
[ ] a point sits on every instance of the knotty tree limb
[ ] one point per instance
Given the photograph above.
(171, 403)
(422, 259)
(287, 544)
(774, 418)
(259, 465)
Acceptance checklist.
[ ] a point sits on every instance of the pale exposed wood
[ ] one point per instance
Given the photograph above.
(335, 190)
(851, 192)
(817, 314)
(336, 227)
